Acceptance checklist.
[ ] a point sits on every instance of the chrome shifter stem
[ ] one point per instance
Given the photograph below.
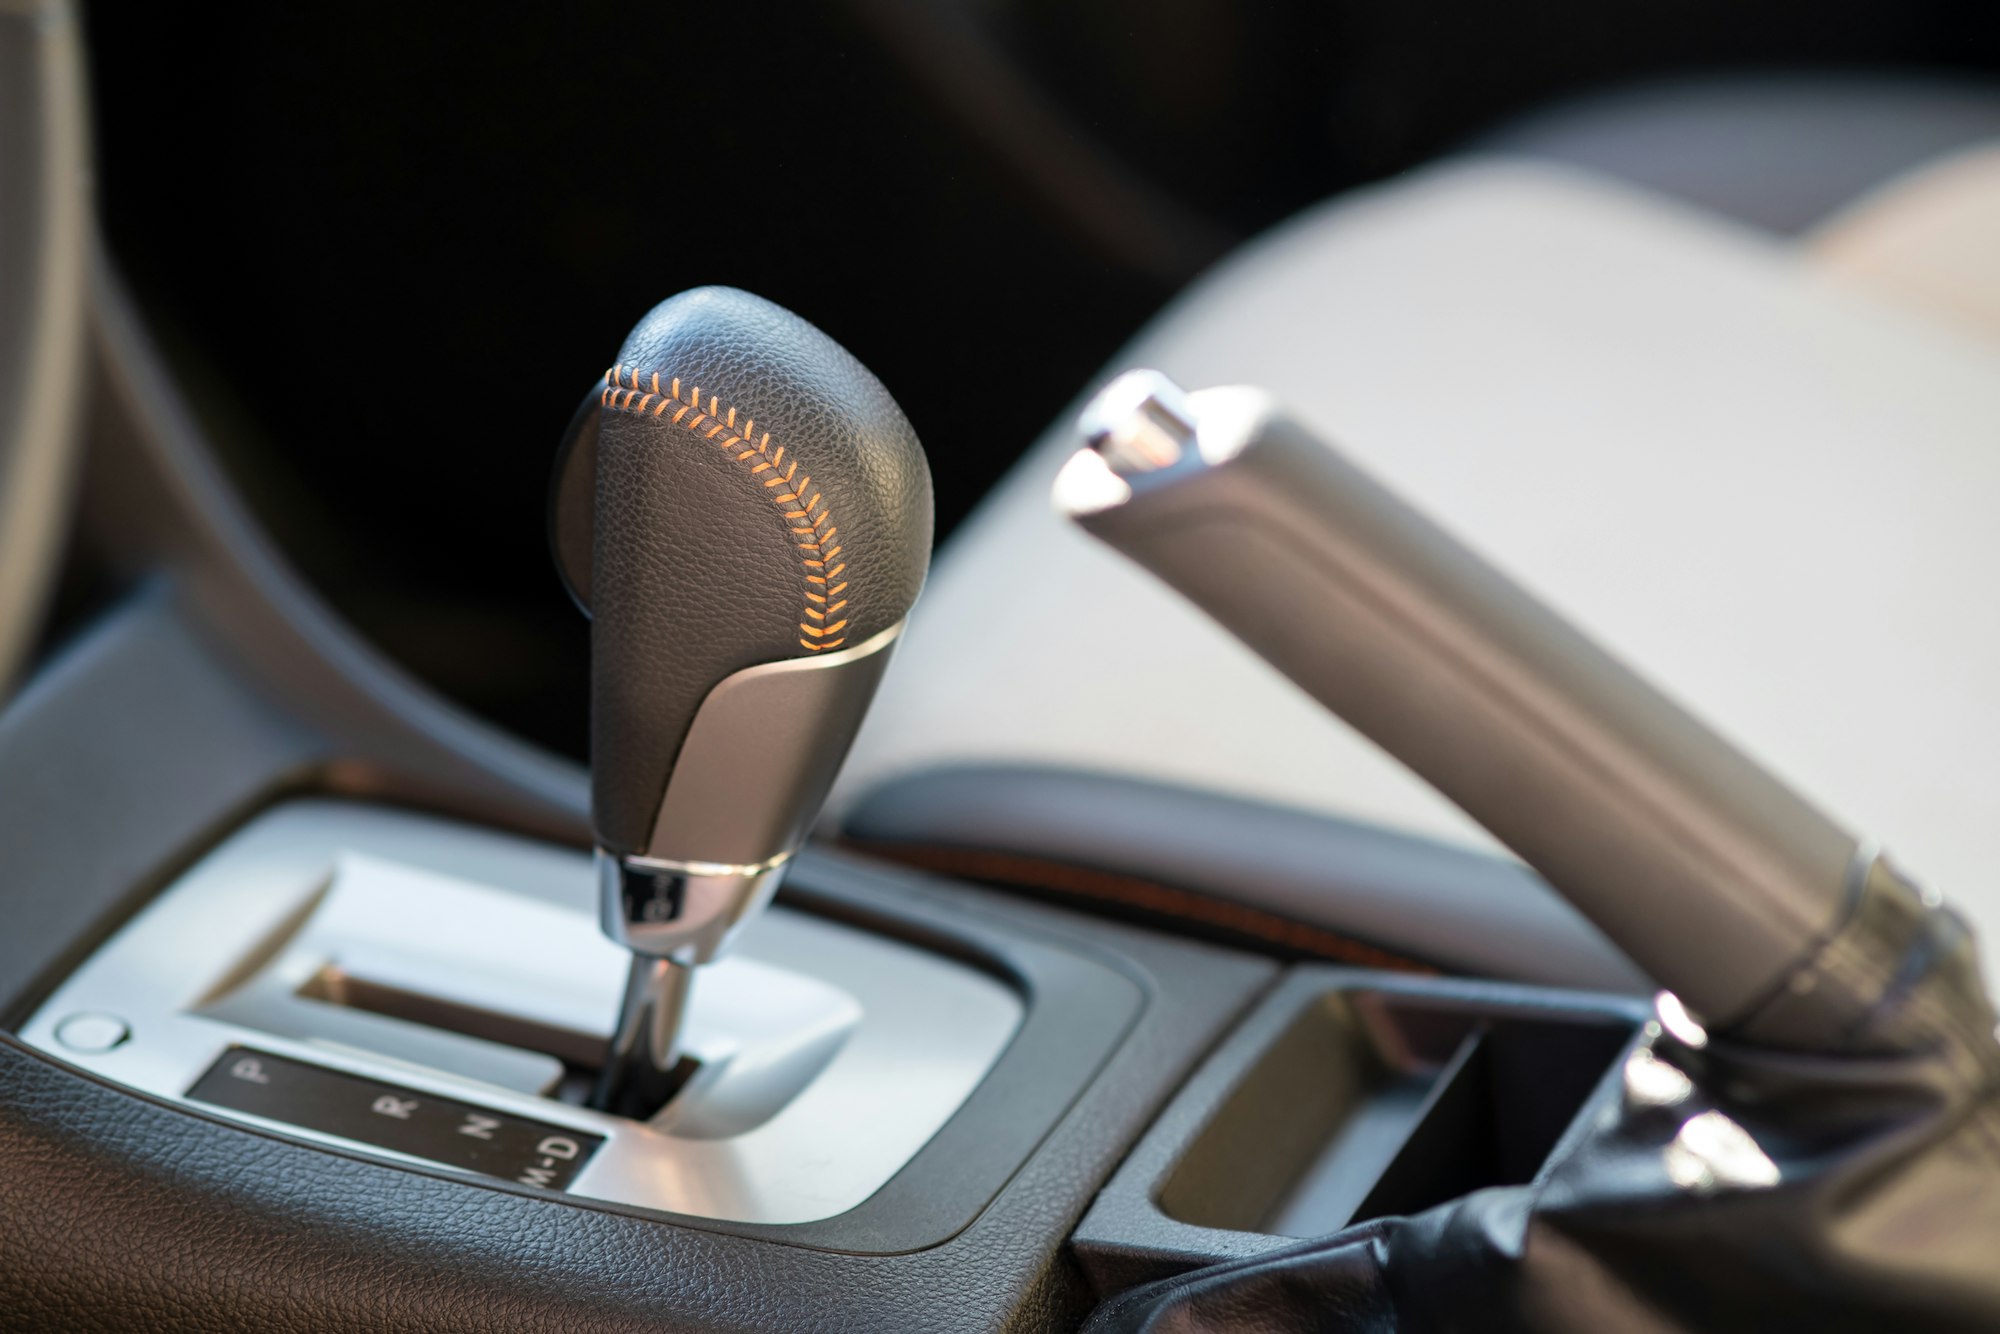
(674, 916)
(639, 1066)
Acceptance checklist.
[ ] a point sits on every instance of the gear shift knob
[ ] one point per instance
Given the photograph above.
(745, 514)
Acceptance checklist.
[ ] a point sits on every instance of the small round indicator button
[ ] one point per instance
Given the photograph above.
(92, 1034)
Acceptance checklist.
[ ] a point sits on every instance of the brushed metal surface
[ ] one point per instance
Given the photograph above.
(829, 1055)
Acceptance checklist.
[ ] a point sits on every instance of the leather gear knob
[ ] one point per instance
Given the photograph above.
(738, 490)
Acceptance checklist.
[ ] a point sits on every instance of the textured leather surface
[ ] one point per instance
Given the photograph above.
(759, 497)
(1850, 1182)
(1410, 898)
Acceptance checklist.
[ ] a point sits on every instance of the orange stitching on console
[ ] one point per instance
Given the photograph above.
(805, 520)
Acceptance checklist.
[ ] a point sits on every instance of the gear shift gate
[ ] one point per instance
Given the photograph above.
(532, 979)
(812, 1034)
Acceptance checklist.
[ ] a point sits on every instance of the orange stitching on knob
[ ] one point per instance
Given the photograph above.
(805, 521)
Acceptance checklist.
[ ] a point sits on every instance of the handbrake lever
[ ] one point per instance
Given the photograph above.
(1710, 873)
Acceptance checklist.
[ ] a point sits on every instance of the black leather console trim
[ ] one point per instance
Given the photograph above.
(1294, 881)
(1146, 901)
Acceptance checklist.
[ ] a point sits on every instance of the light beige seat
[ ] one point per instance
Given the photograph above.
(1770, 488)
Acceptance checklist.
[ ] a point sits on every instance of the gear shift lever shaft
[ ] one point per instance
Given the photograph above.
(745, 514)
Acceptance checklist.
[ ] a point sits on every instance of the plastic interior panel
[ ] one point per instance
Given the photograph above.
(1351, 1095)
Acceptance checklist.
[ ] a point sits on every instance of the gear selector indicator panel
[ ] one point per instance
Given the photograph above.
(401, 1120)
(415, 988)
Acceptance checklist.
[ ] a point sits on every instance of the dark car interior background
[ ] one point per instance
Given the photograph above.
(350, 228)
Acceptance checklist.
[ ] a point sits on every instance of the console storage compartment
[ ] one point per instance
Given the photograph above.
(1348, 1096)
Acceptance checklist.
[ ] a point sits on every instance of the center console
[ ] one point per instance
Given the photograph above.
(438, 997)
(365, 1003)
(309, 993)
